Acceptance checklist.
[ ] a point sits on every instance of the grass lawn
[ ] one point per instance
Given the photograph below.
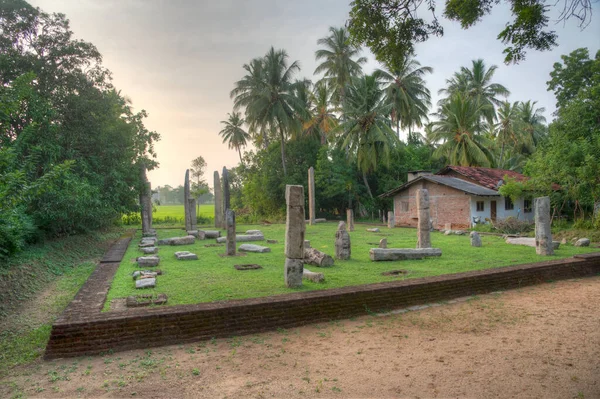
(214, 278)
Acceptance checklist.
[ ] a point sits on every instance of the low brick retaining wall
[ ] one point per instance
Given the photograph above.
(84, 330)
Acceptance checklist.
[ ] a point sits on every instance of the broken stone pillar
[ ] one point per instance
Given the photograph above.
(230, 242)
(311, 196)
(423, 233)
(383, 243)
(145, 202)
(475, 239)
(543, 235)
(226, 199)
(218, 201)
(391, 220)
(294, 235)
(315, 257)
(186, 201)
(350, 219)
(343, 248)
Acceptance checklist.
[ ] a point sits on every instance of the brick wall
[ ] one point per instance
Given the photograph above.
(446, 205)
(83, 330)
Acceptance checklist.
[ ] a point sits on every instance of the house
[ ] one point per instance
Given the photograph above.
(459, 196)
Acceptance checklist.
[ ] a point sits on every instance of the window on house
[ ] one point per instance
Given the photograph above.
(480, 206)
(404, 206)
(527, 206)
(508, 204)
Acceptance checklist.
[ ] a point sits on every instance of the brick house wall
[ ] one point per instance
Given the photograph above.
(446, 205)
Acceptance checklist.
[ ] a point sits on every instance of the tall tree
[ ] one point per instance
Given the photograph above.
(391, 27)
(340, 61)
(267, 94)
(533, 123)
(366, 132)
(233, 134)
(477, 84)
(457, 129)
(407, 92)
(322, 116)
(507, 128)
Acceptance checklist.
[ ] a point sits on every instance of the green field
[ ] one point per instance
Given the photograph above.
(213, 278)
(173, 214)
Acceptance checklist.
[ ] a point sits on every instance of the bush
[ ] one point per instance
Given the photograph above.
(16, 229)
(513, 225)
(132, 218)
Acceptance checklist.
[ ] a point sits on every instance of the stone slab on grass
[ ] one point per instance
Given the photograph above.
(528, 241)
(253, 248)
(148, 261)
(243, 238)
(187, 240)
(136, 301)
(373, 230)
(145, 283)
(312, 276)
(392, 254)
(582, 242)
(254, 232)
(185, 255)
(149, 250)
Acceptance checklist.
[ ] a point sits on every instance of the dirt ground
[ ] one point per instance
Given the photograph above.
(536, 342)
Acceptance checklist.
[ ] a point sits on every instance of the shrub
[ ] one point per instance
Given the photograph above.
(16, 229)
(513, 225)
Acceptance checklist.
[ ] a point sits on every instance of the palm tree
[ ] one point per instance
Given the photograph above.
(507, 129)
(533, 122)
(233, 134)
(457, 129)
(337, 61)
(407, 93)
(366, 132)
(267, 94)
(477, 84)
(322, 117)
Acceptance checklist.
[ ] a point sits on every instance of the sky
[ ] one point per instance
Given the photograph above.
(179, 59)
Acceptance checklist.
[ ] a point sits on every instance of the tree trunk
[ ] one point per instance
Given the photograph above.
(282, 150)
(398, 128)
(367, 184)
(501, 155)
(240, 152)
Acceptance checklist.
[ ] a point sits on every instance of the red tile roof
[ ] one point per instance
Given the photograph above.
(486, 177)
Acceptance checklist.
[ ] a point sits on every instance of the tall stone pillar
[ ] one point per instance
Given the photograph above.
(423, 233)
(218, 201)
(186, 201)
(294, 235)
(145, 202)
(543, 234)
(226, 200)
(391, 220)
(311, 196)
(350, 219)
(192, 211)
(230, 223)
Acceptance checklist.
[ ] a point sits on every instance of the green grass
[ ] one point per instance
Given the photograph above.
(176, 211)
(213, 278)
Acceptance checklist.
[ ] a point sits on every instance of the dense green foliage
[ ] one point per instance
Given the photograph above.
(390, 28)
(68, 139)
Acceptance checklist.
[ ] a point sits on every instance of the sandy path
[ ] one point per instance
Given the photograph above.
(537, 342)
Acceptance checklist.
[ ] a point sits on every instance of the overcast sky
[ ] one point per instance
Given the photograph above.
(178, 60)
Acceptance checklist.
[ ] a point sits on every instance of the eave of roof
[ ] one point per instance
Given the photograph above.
(453, 182)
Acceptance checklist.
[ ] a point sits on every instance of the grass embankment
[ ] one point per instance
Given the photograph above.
(35, 287)
(214, 278)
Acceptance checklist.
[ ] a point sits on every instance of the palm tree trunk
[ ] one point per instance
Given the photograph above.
(282, 149)
(367, 185)
(240, 152)
(398, 128)
(501, 155)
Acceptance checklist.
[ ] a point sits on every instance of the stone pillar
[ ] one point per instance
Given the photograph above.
(192, 211)
(145, 202)
(343, 249)
(350, 219)
(391, 220)
(218, 201)
(230, 223)
(311, 196)
(294, 235)
(423, 233)
(226, 200)
(186, 201)
(543, 235)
